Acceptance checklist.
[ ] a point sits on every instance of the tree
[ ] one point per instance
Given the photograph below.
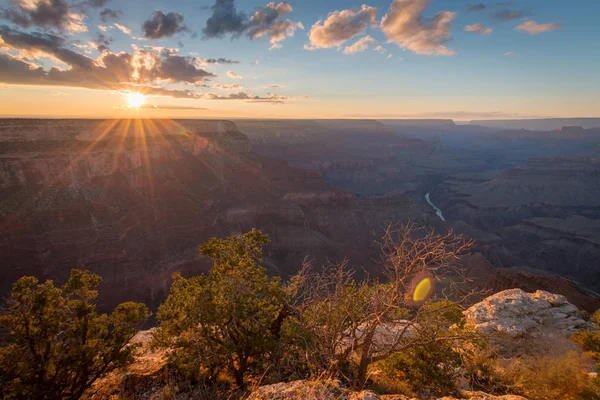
(60, 344)
(227, 319)
(365, 322)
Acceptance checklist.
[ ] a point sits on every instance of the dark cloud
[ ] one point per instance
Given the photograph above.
(507, 14)
(140, 71)
(180, 69)
(47, 43)
(48, 14)
(265, 22)
(225, 19)
(97, 3)
(163, 25)
(108, 14)
(220, 61)
(476, 7)
(108, 71)
(103, 42)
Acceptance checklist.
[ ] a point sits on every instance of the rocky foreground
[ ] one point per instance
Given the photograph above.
(516, 321)
(330, 390)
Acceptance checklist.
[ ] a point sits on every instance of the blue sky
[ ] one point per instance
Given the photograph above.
(548, 69)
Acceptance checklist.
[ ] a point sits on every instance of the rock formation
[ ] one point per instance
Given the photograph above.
(515, 313)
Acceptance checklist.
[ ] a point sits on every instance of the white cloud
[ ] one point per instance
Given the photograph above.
(360, 45)
(233, 75)
(478, 28)
(534, 28)
(123, 29)
(341, 26)
(406, 27)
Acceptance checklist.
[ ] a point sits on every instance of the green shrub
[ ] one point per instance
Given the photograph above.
(227, 320)
(60, 345)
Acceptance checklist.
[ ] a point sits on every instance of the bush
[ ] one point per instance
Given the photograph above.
(537, 378)
(227, 320)
(434, 364)
(60, 345)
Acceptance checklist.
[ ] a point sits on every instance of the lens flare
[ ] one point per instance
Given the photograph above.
(421, 289)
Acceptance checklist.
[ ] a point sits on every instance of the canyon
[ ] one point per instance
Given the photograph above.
(131, 200)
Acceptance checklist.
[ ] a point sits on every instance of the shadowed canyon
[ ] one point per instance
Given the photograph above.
(131, 200)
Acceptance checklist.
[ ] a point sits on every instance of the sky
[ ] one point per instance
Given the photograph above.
(457, 59)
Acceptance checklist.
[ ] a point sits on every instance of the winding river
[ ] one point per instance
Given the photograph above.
(438, 212)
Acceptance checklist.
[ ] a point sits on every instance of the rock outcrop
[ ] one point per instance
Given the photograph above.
(516, 313)
(332, 390)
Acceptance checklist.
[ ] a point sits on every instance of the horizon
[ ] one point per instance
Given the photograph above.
(379, 59)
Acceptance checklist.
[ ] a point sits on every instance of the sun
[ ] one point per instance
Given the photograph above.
(135, 100)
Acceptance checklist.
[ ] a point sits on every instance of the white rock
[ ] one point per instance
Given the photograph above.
(516, 313)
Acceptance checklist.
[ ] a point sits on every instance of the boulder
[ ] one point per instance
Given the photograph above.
(515, 313)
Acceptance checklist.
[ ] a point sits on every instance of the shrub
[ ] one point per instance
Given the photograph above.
(60, 345)
(563, 377)
(227, 320)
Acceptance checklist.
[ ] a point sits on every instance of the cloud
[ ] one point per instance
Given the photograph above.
(265, 23)
(341, 26)
(108, 71)
(406, 27)
(476, 7)
(506, 14)
(123, 29)
(225, 19)
(509, 53)
(233, 75)
(108, 14)
(47, 14)
(534, 28)
(389, 56)
(478, 28)
(252, 98)
(275, 46)
(102, 42)
(97, 3)
(380, 49)
(171, 107)
(360, 45)
(161, 25)
(274, 86)
(227, 87)
(220, 61)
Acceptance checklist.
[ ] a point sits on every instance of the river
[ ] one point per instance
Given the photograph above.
(438, 212)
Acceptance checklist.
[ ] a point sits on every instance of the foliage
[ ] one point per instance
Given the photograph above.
(229, 319)
(434, 365)
(590, 339)
(60, 344)
(535, 377)
(359, 323)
